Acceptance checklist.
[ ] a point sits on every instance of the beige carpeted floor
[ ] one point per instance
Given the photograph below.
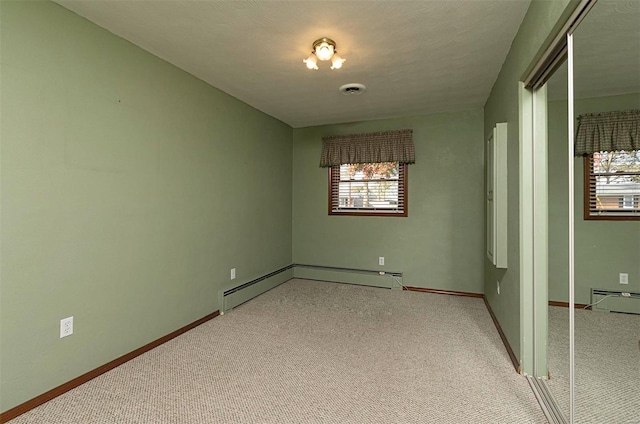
(316, 352)
(607, 365)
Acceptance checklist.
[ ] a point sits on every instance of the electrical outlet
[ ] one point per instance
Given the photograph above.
(233, 273)
(498, 286)
(624, 278)
(66, 327)
(381, 260)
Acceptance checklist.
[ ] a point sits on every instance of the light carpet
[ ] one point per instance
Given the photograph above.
(316, 352)
(607, 365)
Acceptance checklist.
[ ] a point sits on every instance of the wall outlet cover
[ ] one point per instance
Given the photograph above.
(381, 260)
(66, 327)
(233, 273)
(624, 278)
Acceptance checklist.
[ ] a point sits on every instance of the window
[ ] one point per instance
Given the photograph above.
(368, 172)
(629, 202)
(374, 189)
(612, 185)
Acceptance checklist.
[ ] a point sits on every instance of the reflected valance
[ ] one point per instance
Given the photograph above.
(608, 132)
(382, 146)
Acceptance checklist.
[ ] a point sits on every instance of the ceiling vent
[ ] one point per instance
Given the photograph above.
(352, 89)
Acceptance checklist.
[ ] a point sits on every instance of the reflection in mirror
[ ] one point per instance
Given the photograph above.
(607, 333)
(558, 192)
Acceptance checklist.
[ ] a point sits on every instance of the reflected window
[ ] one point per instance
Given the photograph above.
(612, 185)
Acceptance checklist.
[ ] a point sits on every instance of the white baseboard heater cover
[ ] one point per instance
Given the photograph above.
(232, 297)
(235, 296)
(615, 301)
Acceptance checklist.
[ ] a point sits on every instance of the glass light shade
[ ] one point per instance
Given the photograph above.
(311, 62)
(324, 51)
(337, 61)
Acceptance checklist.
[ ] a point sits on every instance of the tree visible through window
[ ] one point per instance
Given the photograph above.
(612, 185)
(368, 189)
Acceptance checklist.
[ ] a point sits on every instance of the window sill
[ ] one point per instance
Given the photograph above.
(368, 213)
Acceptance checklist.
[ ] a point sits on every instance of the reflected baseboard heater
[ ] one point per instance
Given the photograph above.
(619, 301)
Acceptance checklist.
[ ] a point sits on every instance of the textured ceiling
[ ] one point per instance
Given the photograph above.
(415, 57)
(606, 53)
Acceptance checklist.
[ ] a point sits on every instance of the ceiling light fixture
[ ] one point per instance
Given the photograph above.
(324, 49)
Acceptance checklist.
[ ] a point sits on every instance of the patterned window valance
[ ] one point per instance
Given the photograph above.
(383, 146)
(608, 132)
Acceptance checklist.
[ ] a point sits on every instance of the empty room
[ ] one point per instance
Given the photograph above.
(319, 211)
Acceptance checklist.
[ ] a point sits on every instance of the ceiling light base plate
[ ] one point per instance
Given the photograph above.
(319, 41)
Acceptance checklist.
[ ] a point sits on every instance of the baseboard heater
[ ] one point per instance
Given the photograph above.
(358, 276)
(354, 270)
(235, 296)
(618, 301)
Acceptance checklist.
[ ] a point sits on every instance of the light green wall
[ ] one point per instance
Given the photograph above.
(129, 190)
(603, 249)
(503, 106)
(440, 243)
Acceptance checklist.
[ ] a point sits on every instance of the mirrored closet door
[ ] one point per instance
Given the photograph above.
(607, 230)
(593, 225)
(558, 239)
